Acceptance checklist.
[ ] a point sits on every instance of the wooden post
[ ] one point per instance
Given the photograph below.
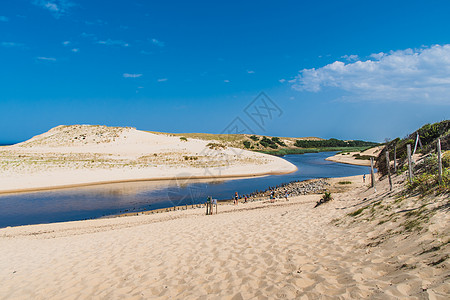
(389, 170)
(395, 158)
(439, 160)
(408, 151)
(372, 173)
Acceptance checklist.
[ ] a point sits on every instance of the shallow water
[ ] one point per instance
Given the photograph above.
(97, 201)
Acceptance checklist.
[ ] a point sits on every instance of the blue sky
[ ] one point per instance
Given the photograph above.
(345, 69)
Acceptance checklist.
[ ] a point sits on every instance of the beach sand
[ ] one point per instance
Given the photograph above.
(257, 250)
(350, 157)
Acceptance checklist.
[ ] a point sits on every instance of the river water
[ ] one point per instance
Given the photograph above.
(96, 201)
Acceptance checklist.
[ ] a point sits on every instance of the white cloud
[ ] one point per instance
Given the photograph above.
(226, 80)
(157, 42)
(250, 72)
(65, 43)
(110, 42)
(96, 22)
(88, 35)
(75, 50)
(351, 57)
(56, 7)
(282, 80)
(404, 75)
(43, 58)
(11, 44)
(4, 19)
(128, 75)
(162, 79)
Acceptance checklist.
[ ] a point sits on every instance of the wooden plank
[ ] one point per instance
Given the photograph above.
(408, 151)
(389, 170)
(372, 173)
(439, 160)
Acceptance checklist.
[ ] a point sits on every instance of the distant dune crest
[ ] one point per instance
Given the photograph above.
(77, 135)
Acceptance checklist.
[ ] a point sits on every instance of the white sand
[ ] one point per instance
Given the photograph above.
(81, 155)
(255, 250)
(349, 157)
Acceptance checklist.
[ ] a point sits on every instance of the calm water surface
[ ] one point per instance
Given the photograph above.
(97, 201)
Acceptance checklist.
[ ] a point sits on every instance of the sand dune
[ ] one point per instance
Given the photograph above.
(256, 250)
(84, 154)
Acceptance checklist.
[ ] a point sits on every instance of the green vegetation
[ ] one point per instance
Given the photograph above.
(190, 157)
(428, 134)
(285, 151)
(332, 143)
(344, 182)
(247, 144)
(278, 141)
(325, 198)
(359, 156)
(266, 142)
(216, 146)
(274, 145)
(357, 212)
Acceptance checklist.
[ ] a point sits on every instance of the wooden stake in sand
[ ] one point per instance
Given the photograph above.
(395, 158)
(408, 151)
(389, 170)
(372, 173)
(439, 160)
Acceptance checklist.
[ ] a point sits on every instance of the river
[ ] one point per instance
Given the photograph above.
(97, 201)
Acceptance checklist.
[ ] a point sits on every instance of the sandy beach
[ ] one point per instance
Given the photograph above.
(258, 250)
(78, 155)
(355, 158)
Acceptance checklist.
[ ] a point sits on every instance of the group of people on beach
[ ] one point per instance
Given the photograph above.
(272, 196)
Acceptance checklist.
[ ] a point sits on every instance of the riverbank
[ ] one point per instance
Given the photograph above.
(82, 155)
(285, 249)
(356, 158)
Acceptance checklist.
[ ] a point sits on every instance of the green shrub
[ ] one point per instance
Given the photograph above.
(332, 143)
(183, 139)
(326, 197)
(255, 138)
(247, 144)
(268, 143)
(356, 212)
(278, 141)
(216, 146)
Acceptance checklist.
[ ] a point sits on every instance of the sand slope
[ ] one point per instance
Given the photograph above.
(256, 250)
(350, 157)
(85, 154)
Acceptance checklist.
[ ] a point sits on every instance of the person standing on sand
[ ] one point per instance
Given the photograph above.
(236, 198)
(286, 195)
(364, 178)
(214, 204)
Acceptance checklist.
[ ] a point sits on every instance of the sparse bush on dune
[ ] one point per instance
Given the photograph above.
(247, 144)
(216, 146)
(325, 198)
(428, 134)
